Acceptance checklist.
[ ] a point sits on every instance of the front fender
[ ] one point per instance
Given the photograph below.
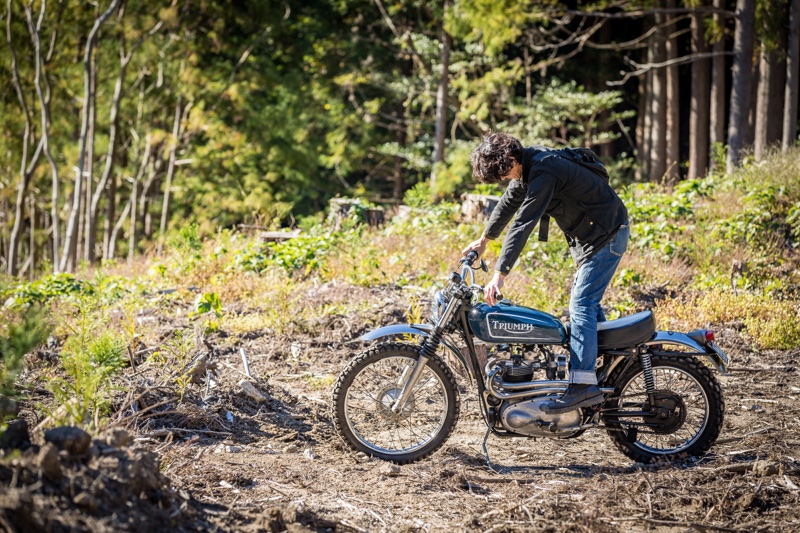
(422, 330)
(716, 356)
(397, 329)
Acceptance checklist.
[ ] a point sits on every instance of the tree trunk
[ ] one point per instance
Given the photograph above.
(441, 106)
(71, 238)
(791, 93)
(717, 108)
(89, 172)
(132, 228)
(32, 237)
(766, 66)
(26, 167)
(40, 79)
(111, 208)
(741, 82)
(659, 106)
(112, 241)
(111, 156)
(170, 172)
(642, 126)
(698, 117)
(673, 110)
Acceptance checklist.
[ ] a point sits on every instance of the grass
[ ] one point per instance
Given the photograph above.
(720, 251)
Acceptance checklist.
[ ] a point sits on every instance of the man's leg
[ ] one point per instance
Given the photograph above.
(590, 284)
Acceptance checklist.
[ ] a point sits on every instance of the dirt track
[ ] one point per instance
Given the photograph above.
(278, 465)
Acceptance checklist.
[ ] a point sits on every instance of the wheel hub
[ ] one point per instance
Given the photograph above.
(669, 412)
(386, 400)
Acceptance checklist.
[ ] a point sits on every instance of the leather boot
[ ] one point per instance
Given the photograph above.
(577, 395)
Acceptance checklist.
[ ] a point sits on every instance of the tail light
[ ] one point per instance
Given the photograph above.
(709, 335)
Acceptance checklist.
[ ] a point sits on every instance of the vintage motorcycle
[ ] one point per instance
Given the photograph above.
(399, 401)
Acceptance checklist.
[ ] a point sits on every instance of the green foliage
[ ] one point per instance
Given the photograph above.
(570, 114)
(21, 332)
(419, 195)
(438, 218)
(187, 239)
(206, 303)
(90, 357)
(43, 290)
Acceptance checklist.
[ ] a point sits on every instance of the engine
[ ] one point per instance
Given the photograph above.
(513, 371)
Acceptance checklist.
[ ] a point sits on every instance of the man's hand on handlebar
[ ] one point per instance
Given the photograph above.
(478, 246)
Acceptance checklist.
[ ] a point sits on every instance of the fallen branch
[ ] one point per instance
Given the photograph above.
(756, 432)
(166, 431)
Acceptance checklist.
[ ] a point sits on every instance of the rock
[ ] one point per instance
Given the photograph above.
(249, 390)
(8, 407)
(308, 453)
(48, 464)
(115, 438)
(390, 470)
(16, 436)
(84, 499)
(765, 468)
(232, 449)
(74, 441)
(292, 448)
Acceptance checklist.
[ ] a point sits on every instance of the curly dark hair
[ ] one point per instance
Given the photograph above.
(494, 157)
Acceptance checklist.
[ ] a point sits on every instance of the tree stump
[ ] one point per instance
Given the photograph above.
(477, 207)
(341, 209)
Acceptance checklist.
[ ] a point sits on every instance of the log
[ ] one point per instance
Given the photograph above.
(278, 236)
(478, 207)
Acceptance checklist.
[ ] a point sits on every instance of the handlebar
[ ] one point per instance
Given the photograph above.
(470, 258)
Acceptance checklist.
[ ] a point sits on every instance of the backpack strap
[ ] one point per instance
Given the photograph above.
(544, 227)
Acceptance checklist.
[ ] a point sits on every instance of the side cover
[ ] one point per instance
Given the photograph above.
(510, 323)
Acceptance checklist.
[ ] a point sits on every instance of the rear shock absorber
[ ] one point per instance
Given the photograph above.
(647, 369)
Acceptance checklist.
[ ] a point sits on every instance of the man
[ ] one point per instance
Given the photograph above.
(594, 219)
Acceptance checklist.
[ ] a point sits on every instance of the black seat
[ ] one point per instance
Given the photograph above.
(626, 331)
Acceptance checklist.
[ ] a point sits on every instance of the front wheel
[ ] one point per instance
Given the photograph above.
(686, 418)
(368, 387)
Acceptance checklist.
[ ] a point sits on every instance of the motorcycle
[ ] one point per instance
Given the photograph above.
(399, 401)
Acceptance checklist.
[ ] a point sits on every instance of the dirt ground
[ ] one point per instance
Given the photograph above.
(277, 465)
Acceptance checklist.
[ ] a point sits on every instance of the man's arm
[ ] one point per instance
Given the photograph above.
(509, 203)
(534, 204)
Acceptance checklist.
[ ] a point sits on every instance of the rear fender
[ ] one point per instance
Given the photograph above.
(423, 330)
(716, 357)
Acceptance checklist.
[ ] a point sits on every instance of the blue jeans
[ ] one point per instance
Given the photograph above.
(585, 312)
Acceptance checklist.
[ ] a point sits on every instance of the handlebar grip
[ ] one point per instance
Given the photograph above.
(471, 256)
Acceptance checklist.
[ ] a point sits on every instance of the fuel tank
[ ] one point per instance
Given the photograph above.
(511, 323)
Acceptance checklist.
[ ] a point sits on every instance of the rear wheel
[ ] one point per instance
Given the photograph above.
(368, 387)
(686, 418)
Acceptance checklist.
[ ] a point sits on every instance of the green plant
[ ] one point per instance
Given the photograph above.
(419, 195)
(91, 356)
(20, 333)
(206, 303)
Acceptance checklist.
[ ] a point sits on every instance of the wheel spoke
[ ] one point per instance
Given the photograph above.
(372, 393)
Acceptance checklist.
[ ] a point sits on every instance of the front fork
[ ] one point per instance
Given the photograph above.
(427, 350)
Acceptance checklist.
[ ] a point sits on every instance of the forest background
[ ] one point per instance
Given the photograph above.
(145, 144)
(125, 120)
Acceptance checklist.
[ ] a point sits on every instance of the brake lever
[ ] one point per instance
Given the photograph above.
(483, 266)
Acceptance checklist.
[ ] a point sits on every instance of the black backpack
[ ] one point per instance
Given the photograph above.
(584, 157)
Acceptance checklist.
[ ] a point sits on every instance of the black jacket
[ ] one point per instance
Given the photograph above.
(585, 207)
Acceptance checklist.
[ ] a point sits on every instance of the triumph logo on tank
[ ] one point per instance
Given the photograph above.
(510, 327)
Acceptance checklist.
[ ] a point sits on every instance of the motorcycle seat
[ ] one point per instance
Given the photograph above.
(626, 331)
